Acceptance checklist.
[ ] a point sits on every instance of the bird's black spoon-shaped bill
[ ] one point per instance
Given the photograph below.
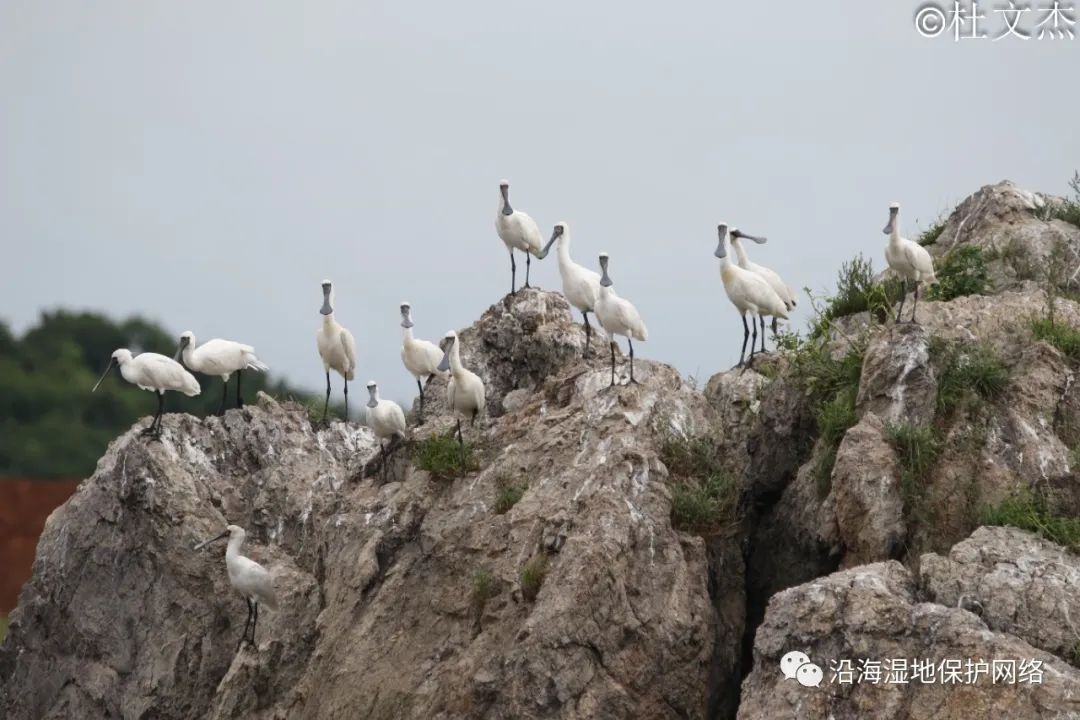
(204, 543)
(107, 369)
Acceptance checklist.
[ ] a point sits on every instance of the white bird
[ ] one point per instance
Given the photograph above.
(247, 577)
(421, 358)
(465, 391)
(618, 317)
(518, 231)
(337, 348)
(748, 292)
(777, 283)
(385, 418)
(157, 373)
(908, 259)
(219, 357)
(580, 285)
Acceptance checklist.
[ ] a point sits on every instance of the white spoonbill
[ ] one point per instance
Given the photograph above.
(247, 577)
(465, 391)
(157, 373)
(618, 317)
(908, 259)
(580, 285)
(337, 348)
(385, 418)
(421, 358)
(518, 231)
(775, 281)
(219, 357)
(748, 292)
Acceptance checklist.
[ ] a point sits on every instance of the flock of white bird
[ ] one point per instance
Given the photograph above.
(755, 291)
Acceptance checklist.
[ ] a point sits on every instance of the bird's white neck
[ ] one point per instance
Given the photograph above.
(406, 334)
(894, 236)
(740, 253)
(564, 251)
(233, 551)
(328, 321)
(455, 358)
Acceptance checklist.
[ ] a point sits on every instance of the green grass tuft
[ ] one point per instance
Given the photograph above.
(857, 292)
(444, 458)
(1030, 511)
(917, 447)
(704, 497)
(967, 374)
(508, 494)
(834, 418)
(1064, 337)
(1069, 208)
(963, 272)
(532, 576)
(932, 233)
(3, 628)
(484, 587)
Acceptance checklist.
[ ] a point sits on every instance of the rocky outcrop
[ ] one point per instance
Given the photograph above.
(401, 598)
(873, 613)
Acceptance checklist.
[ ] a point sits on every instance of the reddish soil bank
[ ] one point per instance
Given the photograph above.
(24, 507)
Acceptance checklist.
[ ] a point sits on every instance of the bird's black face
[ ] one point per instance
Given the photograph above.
(892, 221)
(555, 235)
(444, 365)
(505, 190)
(184, 342)
(326, 309)
(605, 281)
(406, 317)
(721, 250)
(373, 390)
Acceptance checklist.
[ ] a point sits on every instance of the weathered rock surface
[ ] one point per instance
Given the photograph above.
(872, 612)
(377, 581)
(1015, 581)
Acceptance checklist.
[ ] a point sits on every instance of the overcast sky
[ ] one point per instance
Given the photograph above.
(207, 164)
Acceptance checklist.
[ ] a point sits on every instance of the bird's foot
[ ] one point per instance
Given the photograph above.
(633, 381)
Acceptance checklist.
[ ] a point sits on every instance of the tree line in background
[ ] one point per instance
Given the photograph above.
(52, 426)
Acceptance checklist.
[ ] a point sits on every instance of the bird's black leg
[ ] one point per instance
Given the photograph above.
(247, 622)
(224, 393)
(239, 397)
(630, 342)
(774, 325)
(382, 454)
(762, 318)
(915, 305)
(588, 331)
(327, 403)
(346, 401)
(513, 273)
(753, 338)
(254, 622)
(745, 337)
(612, 346)
(903, 295)
(460, 437)
(528, 266)
(420, 387)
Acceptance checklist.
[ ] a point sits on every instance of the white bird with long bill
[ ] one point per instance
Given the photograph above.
(518, 231)
(618, 316)
(219, 357)
(247, 577)
(156, 373)
(908, 259)
(337, 348)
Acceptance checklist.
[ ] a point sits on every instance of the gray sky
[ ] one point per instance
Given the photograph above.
(207, 164)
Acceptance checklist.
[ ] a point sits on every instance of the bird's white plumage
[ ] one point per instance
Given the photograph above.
(770, 276)
(420, 357)
(219, 357)
(465, 392)
(154, 372)
(908, 259)
(248, 577)
(517, 230)
(580, 285)
(618, 316)
(337, 347)
(748, 291)
(385, 417)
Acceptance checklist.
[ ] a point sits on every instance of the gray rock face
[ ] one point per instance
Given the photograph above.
(897, 383)
(382, 614)
(1015, 581)
(872, 612)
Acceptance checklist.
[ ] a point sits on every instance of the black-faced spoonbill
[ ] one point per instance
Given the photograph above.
(157, 373)
(580, 285)
(748, 292)
(219, 357)
(618, 317)
(908, 259)
(775, 281)
(465, 391)
(386, 420)
(421, 358)
(518, 231)
(247, 577)
(337, 348)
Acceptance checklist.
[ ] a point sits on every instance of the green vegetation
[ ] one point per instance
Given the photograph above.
(1028, 510)
(484, 588)
(444, 458)
(508, 493)
(704, 498)
(52, 425)
(1069, 208)
(932, 233)
(532, 576)
(917, 448)
(963, 272)
(834, 418)
(3, 628)
(967, 374)
(1064, 337)
(857, 292)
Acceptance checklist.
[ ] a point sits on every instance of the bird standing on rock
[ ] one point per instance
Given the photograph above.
(337, 348)
(618, 316)
(580, 285)
(386, 420)
(770, 276)
(247, 577)
(421, 358)
(465, 391)
(908, 259)
(150, 371)
(748, 292)
(219, 357)
(518, 231)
